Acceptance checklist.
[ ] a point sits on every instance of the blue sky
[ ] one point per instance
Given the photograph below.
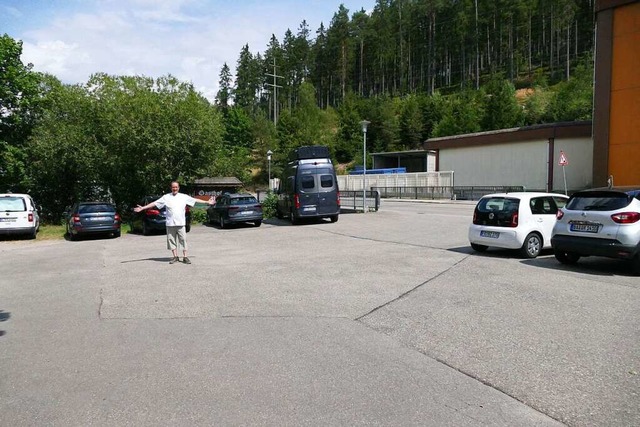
(189, 39)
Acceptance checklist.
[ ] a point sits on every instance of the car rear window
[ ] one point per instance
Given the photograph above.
(498, 204)
(96, 208)
(243, 200)
(308, 182)
(12, 204)
(598, 201)
(326, 181)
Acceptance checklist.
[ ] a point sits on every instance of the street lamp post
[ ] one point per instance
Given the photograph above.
(269, 153)
(364, 124)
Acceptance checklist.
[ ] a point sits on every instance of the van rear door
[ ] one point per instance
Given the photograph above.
(327, 191)
(308, 190)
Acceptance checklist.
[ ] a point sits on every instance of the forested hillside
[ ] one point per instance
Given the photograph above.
(414, 68)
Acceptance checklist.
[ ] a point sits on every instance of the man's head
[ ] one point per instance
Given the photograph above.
(175, 187)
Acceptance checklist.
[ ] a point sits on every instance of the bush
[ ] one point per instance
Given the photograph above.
(269, 206)
(198, 216)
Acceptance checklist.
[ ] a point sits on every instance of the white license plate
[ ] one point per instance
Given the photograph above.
(246, 212)
(309, 208)
(99, 218)
(490, 234)
(586, 228)
(7, 220)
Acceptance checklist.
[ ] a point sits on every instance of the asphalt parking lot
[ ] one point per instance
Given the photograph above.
(387, 318)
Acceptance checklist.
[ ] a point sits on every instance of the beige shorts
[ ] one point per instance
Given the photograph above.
(176, 236)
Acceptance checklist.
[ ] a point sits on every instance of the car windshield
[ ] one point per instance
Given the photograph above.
(598, 201)
(498, 204)
(83, 209)
(243, 200)
(12, 204)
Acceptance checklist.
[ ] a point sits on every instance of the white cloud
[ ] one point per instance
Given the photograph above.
(190, 39)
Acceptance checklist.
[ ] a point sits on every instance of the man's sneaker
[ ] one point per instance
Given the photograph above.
(174, 260)
(186, 260)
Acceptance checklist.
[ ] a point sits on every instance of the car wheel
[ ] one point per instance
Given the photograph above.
(32, 235)
(532, 245)
(145, 229)
(566, 257)
(116, 234)
(479, 248)
(334, 218)
(258, 223)
(223, 223)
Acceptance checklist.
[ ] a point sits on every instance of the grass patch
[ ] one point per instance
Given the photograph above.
(57, 232)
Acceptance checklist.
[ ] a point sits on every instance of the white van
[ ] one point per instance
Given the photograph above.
(18, 215)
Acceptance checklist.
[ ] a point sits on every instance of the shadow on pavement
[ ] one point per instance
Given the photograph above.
(594, 266)
(163, 259)
(3, 317)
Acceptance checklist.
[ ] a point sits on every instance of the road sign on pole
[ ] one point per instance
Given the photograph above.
(562, 161)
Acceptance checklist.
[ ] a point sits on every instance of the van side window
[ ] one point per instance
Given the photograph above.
(307, 182)
(326, 181)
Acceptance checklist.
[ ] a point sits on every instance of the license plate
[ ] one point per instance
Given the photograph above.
(309, 208)
(7, 220)
(246, 212)
(99, 218)
(491, 234)
(586, 228)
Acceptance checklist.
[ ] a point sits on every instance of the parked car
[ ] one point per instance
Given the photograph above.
(18, 215)
(153, 219)
(309, 186)
(515, 221)
(602, 222)
(85, 218)
(235, 208)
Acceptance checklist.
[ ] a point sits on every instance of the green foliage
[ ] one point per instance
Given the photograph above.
(198, 215)
(20, 98)
(411, 123)
(573, 99)
(502, 110)
(269, 205)
(461, 114)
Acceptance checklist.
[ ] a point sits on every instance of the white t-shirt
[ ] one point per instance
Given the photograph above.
(176, 206)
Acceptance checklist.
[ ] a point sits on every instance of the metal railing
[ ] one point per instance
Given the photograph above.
(354, 199)
(443, 193)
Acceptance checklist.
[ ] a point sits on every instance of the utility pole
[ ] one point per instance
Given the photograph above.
(275, 92)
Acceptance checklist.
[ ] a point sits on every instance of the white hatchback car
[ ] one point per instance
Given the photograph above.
(515, 221)
(18, 215)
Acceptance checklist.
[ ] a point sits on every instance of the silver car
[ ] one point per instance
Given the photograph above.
(602, 222)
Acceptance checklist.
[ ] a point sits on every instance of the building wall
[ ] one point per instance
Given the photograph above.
(579, 172)
(524, 163)
(624, 119)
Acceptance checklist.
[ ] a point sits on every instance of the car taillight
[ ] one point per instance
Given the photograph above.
(338, 199)
(150, 212)
(76, 218)
(257, 206)
(30, 217)
(514, 220)
(296, 200)
(626, 217)
(116, 218)
(475, 217)
(559, 214)
(234, 208)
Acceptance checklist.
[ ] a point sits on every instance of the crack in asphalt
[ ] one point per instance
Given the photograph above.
(404, 294)
(370, 239)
